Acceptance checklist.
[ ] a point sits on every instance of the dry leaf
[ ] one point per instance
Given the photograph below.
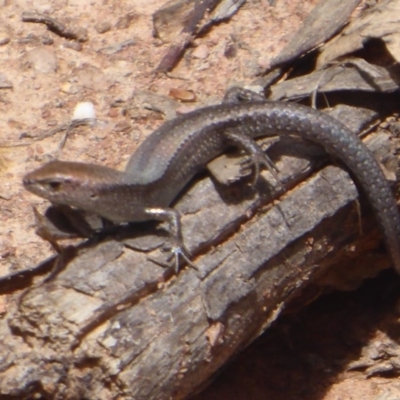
(380, 22)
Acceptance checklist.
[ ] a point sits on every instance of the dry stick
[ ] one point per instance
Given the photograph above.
(187, 34)
(66, 126)
(79, 34)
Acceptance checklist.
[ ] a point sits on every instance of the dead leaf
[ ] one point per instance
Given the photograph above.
(327, 18)
(380, 22)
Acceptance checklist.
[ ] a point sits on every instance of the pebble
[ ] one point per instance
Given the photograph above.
(84, 110)
(103, 27)
(41, 59)
(4, 38)
(201, 52)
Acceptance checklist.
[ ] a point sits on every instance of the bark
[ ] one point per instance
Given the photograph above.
(113, 324)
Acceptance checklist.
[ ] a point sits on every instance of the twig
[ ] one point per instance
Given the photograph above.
(77, 33)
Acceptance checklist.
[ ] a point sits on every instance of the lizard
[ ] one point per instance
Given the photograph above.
(169, 158)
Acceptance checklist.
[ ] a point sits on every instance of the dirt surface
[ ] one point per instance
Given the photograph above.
(44, 76)
(48, 80)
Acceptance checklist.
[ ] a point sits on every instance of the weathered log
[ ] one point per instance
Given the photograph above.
(113, 324)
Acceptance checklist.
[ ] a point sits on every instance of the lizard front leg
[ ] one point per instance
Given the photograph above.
(173, 218)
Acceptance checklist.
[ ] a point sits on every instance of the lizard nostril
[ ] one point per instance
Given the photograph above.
(27, 182)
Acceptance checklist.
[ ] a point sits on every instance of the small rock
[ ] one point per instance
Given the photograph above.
(46, 114)
(182, 94)
(84, 110)
(103, 27)
(6, 248)
(69, 88)
(4, 38)
(230, 50)
(113, 113)
(91, 77)
(81, 34)
(4, 82)
(29, 39)
(201, 52)
(77, 46)
(47, 40)
(125, 21)
(52, 122)
(41, 59)
(122, 126)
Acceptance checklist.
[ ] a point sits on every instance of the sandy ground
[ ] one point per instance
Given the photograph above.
(43, 76)
(49, 75)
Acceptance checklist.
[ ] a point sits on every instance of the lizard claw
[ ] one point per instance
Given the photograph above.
(255, 161)
(177, 248)
(176, 253)
(180, 252)
(256, 156)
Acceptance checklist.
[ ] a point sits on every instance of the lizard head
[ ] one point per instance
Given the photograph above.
(69, 183)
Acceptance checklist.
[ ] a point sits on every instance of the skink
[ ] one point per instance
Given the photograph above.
(165, 162)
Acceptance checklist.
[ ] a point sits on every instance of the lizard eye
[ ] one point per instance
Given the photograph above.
(55, 185)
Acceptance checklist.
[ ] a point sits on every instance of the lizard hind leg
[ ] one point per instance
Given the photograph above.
(256, 156)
